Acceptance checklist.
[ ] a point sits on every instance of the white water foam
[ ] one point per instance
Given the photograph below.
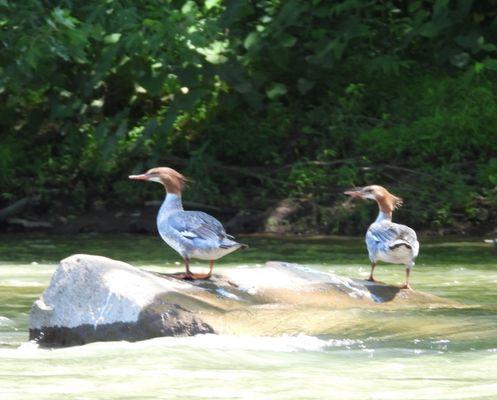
(285, 343)
(25, 350)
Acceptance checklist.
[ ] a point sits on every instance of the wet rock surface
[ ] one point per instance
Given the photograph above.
(93, 298)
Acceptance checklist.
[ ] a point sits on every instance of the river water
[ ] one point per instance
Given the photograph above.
(409, 353)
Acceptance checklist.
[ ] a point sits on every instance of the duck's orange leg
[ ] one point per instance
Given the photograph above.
(204, 276)
(183, 275)
(371, 278)
(406, 284)
(189, 275)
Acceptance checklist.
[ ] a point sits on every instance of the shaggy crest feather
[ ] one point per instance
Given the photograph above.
(386, 200)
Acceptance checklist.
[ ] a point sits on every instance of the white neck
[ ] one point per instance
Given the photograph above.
(383, 216)
(172, 202)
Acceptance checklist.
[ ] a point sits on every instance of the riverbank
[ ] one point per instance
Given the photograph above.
(286, 218)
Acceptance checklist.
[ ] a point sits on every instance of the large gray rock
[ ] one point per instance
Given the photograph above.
(92, 298)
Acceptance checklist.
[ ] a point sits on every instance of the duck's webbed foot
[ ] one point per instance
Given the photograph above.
(203, 276)
(180, 275)
(199, 276)
(189, 275)
(371, 277)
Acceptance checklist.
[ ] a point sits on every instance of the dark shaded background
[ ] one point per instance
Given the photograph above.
(272, 107)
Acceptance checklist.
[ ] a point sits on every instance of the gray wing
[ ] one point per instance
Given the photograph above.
(196, 225)
(392, 234)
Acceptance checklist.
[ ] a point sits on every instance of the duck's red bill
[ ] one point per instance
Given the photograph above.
(142, 177)
(353, 193)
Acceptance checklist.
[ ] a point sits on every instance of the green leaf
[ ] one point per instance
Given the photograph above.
(460, 60)
(490, 63)
(429, 30)
(441, 6)
(467, 41)
(212, 3)
(338, 48)
(251, 40)
(489, 47)
(63, 17)
(277, 90)
(235, 10)
(112, 38)
(304, 86)
(288, 41)
(479, 67)
(243, 87)
(189, 7)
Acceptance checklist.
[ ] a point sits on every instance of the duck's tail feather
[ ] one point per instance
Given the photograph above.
(228, 244)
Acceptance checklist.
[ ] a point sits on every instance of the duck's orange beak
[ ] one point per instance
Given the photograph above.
(142, 177)
(353, 193)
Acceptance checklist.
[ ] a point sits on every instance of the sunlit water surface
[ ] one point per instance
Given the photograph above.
(413, 353)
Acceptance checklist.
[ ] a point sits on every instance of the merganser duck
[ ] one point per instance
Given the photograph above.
(386, 240)
(193, 234)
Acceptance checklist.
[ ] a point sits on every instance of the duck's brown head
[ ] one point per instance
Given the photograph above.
(172, 180)
(386, 200)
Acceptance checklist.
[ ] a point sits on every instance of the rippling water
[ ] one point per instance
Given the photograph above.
(412, 353)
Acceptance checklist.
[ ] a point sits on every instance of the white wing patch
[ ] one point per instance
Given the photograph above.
(188, 234)
(375, 238)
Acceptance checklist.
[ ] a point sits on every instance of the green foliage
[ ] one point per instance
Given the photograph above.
(80, 79)
(257, 100)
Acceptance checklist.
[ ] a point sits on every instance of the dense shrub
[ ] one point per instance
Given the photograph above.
(256, 100)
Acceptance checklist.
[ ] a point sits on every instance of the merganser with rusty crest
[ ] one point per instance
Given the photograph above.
(193, 234)
(387, 241)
